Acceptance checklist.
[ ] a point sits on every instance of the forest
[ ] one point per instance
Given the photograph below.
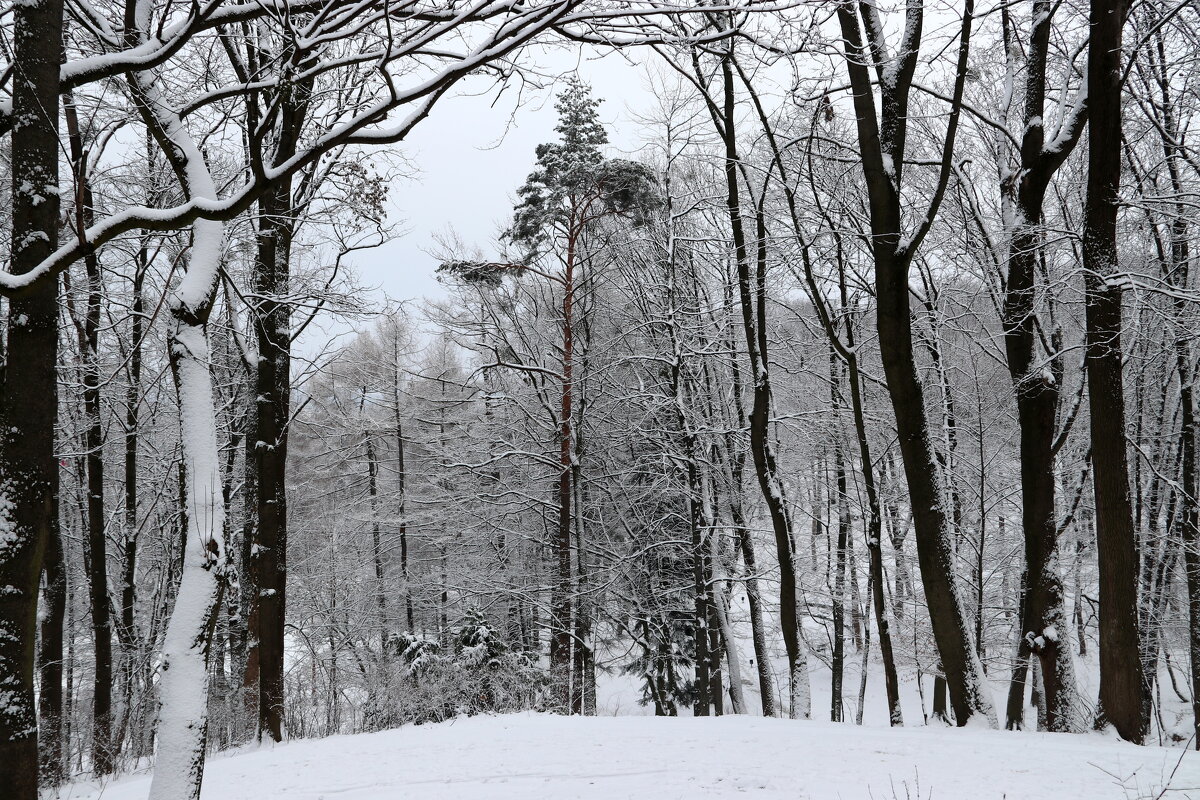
(859, 392)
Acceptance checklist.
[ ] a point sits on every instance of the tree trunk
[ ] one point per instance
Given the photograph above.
(702, 682)
(758, 632)
(1037, 693)
(561, 602)
(1124, 701)
(1014, 713)
(752, 297)
(940, 712)
(249, 569)
(93, 442)
(377, 542)
(29, 390)
(401, 478)
(735, 459)
(50, 661)
(874, 536)
(272, 387)
(838, 666)
(126, 632)
(183, 687)
(1190, 523)
(183, 721)
(716, 631)
(1036, 382)
(721, 608)
(882, 143)
(271, 318)
(583, 690)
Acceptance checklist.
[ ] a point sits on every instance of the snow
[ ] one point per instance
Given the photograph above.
(544, 756)
(889, 167)
(9, 537)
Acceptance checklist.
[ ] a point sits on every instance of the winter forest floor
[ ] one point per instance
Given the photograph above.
(532, 756)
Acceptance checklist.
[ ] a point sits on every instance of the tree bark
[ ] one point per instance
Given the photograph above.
(882, 143)
(734, 457)
(758, 631)
(838, 596)
(126, 631)
(1124, 701)
(271, 318)
(50, 661)
(377, 542)
(737, 697)
(401, 487)
(1036, 383)
(29, 390)
(93, 442)
(271, 315)
(183, 719)
(204, 564)
(561, 601)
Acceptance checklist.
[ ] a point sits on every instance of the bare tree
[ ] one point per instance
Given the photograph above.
(883, 141)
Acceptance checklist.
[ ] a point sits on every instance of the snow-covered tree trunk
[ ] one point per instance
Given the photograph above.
(183, 668)
(183, 671)
(737, 695)
(88, 329)
(800, 693)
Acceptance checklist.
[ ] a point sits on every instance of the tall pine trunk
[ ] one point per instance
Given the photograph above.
(562, 600)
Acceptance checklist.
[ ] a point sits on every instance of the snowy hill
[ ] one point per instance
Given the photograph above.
(541, 756)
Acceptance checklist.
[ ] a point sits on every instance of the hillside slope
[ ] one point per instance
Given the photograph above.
(542, 756)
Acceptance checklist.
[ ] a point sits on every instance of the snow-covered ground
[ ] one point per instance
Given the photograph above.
(533, 756)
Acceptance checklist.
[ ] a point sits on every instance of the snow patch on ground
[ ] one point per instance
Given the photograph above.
(542, 756)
